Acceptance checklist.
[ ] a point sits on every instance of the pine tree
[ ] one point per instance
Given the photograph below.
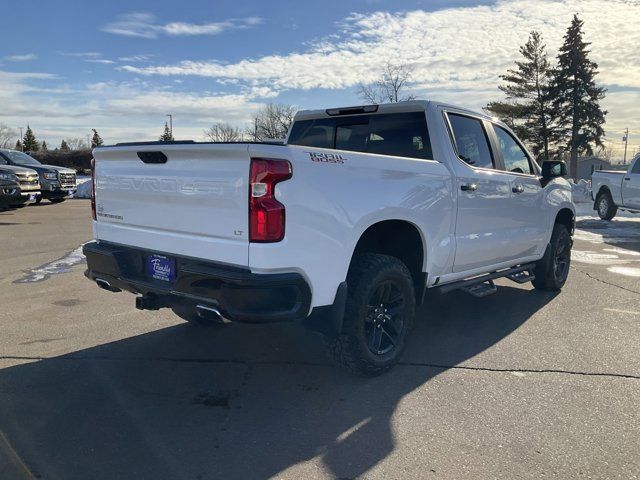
(167, 135)
(576, 97)
(29, 142)
(64, 147)
(44, 146)
(528, 106)
(96, 140)
(18, 145)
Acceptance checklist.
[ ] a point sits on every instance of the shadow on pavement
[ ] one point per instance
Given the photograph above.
(237, 402)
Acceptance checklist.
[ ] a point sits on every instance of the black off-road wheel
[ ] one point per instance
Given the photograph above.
(605, 207)
(552, 270)
(378, 316)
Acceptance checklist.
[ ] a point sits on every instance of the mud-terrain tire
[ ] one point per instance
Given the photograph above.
(379, 314)
(552, 270)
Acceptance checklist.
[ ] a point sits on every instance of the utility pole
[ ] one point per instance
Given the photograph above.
(21, 141)
(170, 124)
(626, 141)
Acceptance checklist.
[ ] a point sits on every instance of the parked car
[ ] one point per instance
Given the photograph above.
(28, 182)
(343, 227)
(9, 190)
(616, 190)
(56, 183)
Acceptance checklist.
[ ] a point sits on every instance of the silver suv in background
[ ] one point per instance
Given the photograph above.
(56, 183)
(28, 182)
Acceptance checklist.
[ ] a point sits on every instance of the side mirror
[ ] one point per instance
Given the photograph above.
(553, 168)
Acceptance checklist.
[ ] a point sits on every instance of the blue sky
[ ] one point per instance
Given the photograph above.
(67, 67)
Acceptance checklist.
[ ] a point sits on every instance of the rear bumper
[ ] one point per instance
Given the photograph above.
(236, 292)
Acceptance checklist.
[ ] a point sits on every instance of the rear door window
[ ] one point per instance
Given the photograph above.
(471, 141)
(398, 134)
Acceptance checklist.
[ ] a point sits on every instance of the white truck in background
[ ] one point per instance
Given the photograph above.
(343, 227)
(613, 190)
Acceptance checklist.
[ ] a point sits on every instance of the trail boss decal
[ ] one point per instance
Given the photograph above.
(326, 157)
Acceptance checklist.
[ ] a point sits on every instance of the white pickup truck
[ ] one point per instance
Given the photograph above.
(344, 226)
(613, 190)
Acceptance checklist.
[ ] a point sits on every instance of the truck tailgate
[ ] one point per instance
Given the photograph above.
(193, 204)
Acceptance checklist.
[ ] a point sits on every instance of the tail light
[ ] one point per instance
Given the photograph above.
(93, 188)
(266, 214)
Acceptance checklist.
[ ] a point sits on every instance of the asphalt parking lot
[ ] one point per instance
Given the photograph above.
(519, 384)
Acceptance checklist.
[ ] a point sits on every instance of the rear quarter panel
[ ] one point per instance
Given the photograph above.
(329, 206)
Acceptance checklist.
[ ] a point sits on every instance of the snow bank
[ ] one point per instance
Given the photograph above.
(581, 191)
(84, 187)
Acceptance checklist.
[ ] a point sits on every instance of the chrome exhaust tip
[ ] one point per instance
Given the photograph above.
(102, 283)
(211, 313)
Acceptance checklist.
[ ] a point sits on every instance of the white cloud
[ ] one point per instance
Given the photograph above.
(144, 25)
(80, 54)
(21, 58)
(56, 113)
(464, 47)
(456, 53)
(136, 58)
(102, 61)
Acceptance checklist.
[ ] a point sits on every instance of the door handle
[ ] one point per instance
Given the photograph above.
(627, 178)
(517, 188)
(468, 187)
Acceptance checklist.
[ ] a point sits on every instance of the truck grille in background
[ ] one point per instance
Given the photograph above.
(29, 181)
(67, 180)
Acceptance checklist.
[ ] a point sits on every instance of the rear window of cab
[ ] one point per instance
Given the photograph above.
(398, 134)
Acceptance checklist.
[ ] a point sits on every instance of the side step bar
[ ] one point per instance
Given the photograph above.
(483, 285)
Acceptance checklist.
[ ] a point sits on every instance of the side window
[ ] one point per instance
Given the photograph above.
(515, 158)
(399, 134)
(312, 133)
(471, 140)
(636, 167)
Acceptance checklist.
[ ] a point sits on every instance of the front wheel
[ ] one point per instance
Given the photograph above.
(378, 316)
(552, 270)
(605, 206)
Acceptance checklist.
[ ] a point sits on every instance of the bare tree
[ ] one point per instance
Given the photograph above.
(271, 122)
(7, 136)
(223, 132)
(605, 152)
(77, 143)
(390, 87)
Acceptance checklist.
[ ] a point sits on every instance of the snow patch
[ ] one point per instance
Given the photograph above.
(61, 265)
(84, 187)
(581, 191)
(626, 271)
(595, 258)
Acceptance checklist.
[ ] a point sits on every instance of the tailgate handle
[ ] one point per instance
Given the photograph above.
(152, 157)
